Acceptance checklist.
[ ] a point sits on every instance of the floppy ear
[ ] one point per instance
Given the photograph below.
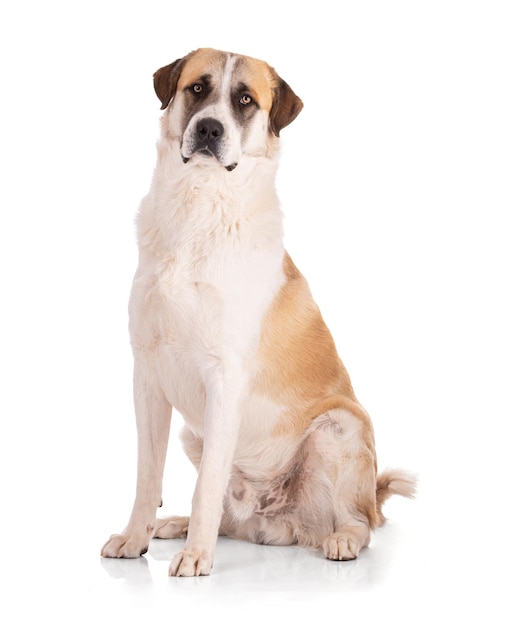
(286, 107)
(165, 81)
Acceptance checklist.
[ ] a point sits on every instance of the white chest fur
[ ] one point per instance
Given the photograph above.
(210, 266)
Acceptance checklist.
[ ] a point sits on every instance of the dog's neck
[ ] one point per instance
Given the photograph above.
(203, 204)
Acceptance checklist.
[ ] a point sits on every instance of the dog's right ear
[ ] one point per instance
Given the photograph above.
(165, 81)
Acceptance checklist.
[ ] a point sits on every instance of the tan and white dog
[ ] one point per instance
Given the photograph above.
(224, 328)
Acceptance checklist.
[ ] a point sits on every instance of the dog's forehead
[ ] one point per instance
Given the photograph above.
(240, 71)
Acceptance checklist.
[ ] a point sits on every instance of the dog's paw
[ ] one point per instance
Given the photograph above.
(342, 546)
(191, 563)
(171, 528)
(124, 547)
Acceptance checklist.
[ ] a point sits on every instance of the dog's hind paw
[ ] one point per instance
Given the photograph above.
(345, 545)
(171, 528)
(191, 563)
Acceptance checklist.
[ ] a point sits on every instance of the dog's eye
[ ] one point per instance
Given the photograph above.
(197, 88)
(246, 99)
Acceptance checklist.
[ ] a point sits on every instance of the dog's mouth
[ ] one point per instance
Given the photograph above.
(206, 152)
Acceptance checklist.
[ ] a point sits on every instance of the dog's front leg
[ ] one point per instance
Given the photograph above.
(221, 427)
(153, 413)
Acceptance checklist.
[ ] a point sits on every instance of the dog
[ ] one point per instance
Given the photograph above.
(224, 330)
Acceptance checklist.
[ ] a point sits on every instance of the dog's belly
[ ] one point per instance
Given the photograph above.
(283, 493)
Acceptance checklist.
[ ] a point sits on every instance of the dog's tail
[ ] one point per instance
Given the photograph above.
(393, 482)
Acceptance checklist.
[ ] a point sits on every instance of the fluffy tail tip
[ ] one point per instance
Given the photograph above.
(394, 482)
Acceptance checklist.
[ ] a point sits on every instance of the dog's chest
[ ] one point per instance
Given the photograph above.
(209, 307)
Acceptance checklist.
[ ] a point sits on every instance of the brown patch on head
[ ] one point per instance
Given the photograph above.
(271, 92)
(204, 61)
(185, 71)
(258, 78)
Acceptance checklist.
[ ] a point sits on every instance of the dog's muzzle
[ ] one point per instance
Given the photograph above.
(208, 140)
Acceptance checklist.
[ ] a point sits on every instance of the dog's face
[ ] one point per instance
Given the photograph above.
(223, 106)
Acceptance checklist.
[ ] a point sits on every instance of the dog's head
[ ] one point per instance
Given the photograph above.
(224, 105)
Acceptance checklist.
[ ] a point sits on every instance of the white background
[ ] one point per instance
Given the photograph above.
(395, 185)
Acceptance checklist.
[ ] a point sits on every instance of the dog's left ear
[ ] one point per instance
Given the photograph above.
(165, 81)
(286, 107)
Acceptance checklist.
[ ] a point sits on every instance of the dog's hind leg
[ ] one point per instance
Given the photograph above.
(345, 438)
(153, 413)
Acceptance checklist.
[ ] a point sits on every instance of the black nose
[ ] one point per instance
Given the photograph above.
(209, 131)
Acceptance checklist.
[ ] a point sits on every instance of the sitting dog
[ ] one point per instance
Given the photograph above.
(224, 329)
